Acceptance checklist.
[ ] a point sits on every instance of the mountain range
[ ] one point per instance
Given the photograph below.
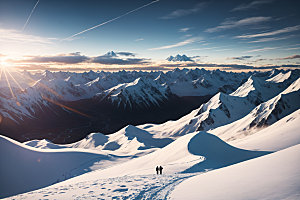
(65, 107)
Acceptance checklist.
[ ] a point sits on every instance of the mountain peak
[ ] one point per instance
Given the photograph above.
(178, 57)
(111, 54)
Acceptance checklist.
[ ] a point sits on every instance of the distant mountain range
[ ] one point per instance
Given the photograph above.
(64, 107)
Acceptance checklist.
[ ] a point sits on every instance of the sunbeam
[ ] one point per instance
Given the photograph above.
(1, 73)
(64, 106)
(43, 86)
(21, 88)
(9, 86)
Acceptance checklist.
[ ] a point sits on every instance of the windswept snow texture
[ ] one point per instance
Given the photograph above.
(280, 135)
(25, 168)
(275, 176)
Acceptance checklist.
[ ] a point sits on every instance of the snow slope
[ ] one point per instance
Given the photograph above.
(280, 135)
(195, 152)
(129, 141)
(281, 77)
(274, 176)
(24, 168)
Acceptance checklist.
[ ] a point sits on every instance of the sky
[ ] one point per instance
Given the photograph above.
(77, 34)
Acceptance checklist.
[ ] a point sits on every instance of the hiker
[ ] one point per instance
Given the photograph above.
(157, 169)
(160, 169)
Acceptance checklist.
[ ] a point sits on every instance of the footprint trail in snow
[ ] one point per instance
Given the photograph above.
(126, 187)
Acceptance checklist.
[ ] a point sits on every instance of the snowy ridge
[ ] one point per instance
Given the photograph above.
(281, 77)
(129, 141)
(264, 114)
(140, 92)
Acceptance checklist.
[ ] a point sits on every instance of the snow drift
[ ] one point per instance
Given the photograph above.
(24, 168)
(274, 176)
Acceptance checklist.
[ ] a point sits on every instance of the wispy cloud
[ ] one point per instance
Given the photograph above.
(111, 20)
(27, 21)
(139, 39)
(10, 35)
(229, 24)
(271, 39)
(184, 12)
(292, 48)
(72, 58)
(241, 57)
(262, 49)
(290, 57)
(179, 44)
(184, 29)
(271, 33)
(251, 5)
(126, 53)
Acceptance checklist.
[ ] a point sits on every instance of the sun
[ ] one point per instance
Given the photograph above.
(4, 64)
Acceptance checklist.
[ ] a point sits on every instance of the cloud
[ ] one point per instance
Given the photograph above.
(229, 24)
(122, 53)
(179, 44)
(271, 33)
(10, 35)
(184, 12)
(139, 39)
(253, 4)
(270, 39)
(241, 57)
(262, 49)
(292, 48)
(118, 61)
(109, 58)
(290, 57)
(72, 58)
(184, 29)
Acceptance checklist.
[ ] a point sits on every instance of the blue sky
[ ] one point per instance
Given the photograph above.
(254, 33)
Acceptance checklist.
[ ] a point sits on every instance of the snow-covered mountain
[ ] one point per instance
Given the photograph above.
(140, 92)
(99, 99)
(180, 58)
(256, 113)
(237, 110)
(263, 115)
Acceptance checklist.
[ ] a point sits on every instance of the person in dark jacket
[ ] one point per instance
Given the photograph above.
(160, 169)
(157, 169)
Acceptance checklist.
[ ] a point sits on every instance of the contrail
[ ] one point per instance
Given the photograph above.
(111, 20)
(30, 15)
